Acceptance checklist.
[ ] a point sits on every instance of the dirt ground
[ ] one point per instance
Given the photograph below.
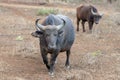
(94, 56)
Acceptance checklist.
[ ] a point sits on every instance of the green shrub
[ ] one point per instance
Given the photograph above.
(44, 11)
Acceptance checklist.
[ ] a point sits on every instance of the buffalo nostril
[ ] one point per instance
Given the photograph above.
(51, 47)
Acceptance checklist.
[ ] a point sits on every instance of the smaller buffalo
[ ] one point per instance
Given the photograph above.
(56, 34)
(89, 14)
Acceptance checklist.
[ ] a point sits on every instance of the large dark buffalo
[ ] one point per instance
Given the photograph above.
(89, 14)
(56, 34)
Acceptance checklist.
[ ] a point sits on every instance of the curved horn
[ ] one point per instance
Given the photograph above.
(61, 25)
(39, 26)
(94, 13)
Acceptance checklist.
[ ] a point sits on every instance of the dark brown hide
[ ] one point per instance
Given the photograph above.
(89, 14)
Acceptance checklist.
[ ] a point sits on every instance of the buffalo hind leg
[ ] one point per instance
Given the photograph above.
(78, 20)
(83, 25)
(67, 64)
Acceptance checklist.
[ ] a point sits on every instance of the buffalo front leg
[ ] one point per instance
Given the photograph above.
(83, 25)
(45, 59)
(90, 26)
(67, 64)
(52, 63)
(78, 20)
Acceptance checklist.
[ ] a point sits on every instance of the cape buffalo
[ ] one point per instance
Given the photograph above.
(89, 14)
(56, 34)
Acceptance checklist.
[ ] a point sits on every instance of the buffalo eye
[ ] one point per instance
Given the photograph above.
(61, 33)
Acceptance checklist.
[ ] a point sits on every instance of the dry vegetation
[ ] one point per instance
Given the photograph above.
(95, 56)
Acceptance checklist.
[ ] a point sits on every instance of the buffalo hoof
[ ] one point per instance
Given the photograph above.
(55, 61)
(51, 74)
(67, 67)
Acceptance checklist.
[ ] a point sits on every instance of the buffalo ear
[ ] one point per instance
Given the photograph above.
(37, 34)
(60, 33)
(101, 15)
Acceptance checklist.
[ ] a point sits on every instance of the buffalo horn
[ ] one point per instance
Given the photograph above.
(94, 13)
(39, 26)
(61, 25)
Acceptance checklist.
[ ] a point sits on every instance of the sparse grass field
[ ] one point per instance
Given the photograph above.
(44, 11)
(94, 56)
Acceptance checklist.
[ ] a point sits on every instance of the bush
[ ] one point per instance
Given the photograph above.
(47, 11)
